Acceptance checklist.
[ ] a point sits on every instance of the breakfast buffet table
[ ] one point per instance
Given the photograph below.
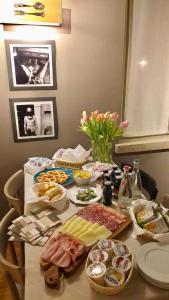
(77, 285)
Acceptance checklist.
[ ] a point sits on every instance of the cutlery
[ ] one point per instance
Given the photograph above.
(22, 13)
(37, 5)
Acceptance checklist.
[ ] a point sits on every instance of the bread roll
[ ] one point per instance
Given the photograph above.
(44, 187)
(44, 264)
(52, 192)
(53, 277)
(56, 197)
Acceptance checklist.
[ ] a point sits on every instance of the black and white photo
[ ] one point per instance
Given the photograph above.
(31, 65)
(34, 118)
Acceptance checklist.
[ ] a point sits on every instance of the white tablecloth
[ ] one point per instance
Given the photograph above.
(77, 286)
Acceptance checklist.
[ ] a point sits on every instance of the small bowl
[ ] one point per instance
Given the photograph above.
(121, 249)
(82, 177)
(108, 246)
(114, 278)
(96, 271)
(98, 255)
(121, 263)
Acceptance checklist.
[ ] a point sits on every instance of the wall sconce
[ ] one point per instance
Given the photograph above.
(31, 12)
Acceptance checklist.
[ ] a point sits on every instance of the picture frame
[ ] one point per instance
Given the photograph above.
(43, 12)
(31, 65)
(34, 119)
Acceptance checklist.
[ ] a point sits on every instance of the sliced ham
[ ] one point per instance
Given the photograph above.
(49, 252)
(62, 249)
(59, 253)
(63, 261)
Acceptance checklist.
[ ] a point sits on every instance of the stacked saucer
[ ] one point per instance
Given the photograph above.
(152, 262)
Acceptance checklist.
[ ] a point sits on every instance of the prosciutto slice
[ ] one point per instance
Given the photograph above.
(62, 250)
(97, 213)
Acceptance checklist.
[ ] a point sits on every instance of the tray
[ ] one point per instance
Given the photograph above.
(69, 172)
(122, 225)
(105, 290)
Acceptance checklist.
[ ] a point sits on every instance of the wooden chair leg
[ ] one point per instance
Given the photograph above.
(22, 254)
(12, 286)
(13, 253)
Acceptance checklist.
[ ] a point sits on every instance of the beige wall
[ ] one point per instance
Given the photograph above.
(89, 72)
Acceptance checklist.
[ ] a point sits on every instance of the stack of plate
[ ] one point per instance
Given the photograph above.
(153, 263)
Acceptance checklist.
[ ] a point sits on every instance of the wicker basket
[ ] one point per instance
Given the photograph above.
(71, 165)
(105, 290)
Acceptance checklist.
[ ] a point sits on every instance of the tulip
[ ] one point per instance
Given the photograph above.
(107, 114)
(96, 112)
(124, 124)
(84, 116)
(100, 117)
(114, 116)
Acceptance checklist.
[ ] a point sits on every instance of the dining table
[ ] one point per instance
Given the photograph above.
(77, 286)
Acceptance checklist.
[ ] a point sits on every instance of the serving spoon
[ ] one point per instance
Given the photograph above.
(37, 5)
(22, 13)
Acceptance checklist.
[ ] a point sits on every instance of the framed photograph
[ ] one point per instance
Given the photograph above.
(43, 12)
(31, 65)
(34, 119)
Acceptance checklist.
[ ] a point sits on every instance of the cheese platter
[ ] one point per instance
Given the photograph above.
(78, 235)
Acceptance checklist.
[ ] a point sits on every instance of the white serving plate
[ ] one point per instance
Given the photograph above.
(152, 260)
(73, 192)
(154, 282)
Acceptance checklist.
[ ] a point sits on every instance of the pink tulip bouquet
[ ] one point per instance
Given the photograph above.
(102, 128)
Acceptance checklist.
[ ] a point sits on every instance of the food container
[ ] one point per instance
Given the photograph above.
(121, 249)
(121, 263)
(98, 256)
(51, 194)
(113, 277)
(142, 231)
(97, 271)
(109, 290)
(37, 164)
(82, 177)
(108, 246)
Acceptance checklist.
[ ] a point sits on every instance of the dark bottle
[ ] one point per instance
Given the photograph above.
(107, 177)
(116, 187)
(115, 167)
(113, 177)
(107, 193)
(105, 173)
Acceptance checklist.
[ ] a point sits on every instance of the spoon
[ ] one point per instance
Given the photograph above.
(22, 13)
(37, 5)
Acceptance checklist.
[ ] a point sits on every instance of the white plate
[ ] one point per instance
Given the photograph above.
(97, 167)
(154, 282)
(152, 260)
(73, 192)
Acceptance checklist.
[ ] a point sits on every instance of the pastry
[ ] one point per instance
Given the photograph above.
(53, 277)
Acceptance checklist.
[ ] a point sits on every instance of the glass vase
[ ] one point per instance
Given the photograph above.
(102, 151)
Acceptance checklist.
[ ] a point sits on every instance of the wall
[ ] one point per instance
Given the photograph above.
(89, 72)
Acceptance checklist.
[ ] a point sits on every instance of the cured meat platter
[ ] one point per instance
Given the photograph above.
(76, 237)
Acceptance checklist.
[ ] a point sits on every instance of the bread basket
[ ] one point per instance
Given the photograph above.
(69, 164)
(105, 290)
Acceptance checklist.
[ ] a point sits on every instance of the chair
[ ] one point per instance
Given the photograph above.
(148, 182)
(14, 271)
(14, 191)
